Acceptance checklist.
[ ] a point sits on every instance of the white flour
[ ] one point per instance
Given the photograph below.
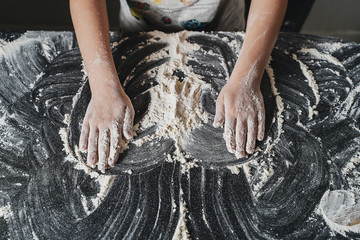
(174, 106)
(280, 109)
(181, 231)
(5, 211)
(351, 173)
(314, 52)
(312, 83)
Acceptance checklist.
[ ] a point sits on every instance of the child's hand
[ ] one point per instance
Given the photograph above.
(241, 107)
(109, 116)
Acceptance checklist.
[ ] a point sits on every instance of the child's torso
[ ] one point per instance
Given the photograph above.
(175, 15)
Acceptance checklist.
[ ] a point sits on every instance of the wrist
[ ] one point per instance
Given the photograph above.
(103, 87)
(102, 75)
(250, 79)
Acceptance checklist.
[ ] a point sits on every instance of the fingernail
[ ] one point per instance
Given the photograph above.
(90, 163)
(240, 155)
(111, 163)
(82, 149)
(131, 134)
(233, 147)
(128, 135)
(217, 123)
(250, 151)
(230, 149)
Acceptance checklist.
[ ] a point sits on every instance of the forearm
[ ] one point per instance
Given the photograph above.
(264, 22)
(92, 30)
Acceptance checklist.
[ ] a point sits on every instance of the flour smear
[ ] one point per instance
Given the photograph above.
(341, 211)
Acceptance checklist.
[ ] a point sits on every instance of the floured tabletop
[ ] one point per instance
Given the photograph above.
(176, 179)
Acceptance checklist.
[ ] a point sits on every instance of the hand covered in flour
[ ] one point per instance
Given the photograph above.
(108, 118)
(241, 107)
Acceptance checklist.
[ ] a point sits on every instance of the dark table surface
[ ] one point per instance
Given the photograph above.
(303, 183)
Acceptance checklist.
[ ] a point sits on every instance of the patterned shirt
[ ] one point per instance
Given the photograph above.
(177, 15)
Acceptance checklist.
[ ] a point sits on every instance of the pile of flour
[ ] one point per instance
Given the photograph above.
(174, 106)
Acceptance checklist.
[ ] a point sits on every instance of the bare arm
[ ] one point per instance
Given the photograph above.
(264, 22)
(92, 32)
(240, 103)
(110, 114)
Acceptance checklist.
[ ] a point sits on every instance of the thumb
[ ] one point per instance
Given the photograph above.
(128, 123)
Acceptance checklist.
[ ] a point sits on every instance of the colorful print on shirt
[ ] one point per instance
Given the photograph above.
(177, 15)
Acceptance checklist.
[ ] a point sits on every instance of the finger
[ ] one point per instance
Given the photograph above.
(252, 130)
(115, 143)
(241, 129)
(220, 113)
(229, 133)
(103, 149)
(84, 136)
(128, 123)
(92, 147)
(261, 125)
